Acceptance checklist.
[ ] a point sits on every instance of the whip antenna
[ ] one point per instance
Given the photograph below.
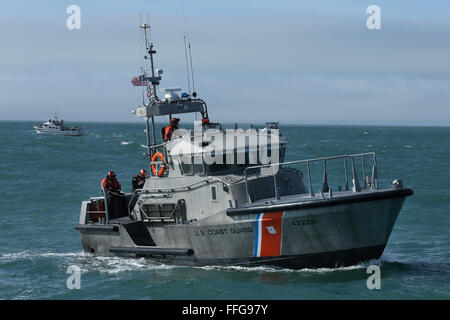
(187, 65)
(141, 39)
(194, 94)
(192, 72)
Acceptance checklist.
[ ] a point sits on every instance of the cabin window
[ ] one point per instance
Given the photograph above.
(219, 167)
(213, 194)
(282, 152)
(253, 157)
(199, 166)
(250, 158)
(215, 167)
(239, 159)
(186, 166)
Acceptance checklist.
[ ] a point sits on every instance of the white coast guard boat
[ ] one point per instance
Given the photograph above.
(55, 126)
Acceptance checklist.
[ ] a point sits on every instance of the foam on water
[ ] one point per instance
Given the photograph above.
(114, 265)
(262, 268)
(34, 255)
(89, 262)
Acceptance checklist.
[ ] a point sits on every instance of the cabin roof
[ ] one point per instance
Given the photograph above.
(164, 109)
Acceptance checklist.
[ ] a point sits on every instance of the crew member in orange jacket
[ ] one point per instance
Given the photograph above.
(116, 201)
(110, 183)
(205, 121)
(170, 128)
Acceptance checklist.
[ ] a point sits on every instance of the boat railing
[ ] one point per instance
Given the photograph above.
(263, 171)
(176, 213)
(152, 150)
(164, 192)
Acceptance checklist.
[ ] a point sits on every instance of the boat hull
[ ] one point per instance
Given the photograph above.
(58, 132)
(331, 235)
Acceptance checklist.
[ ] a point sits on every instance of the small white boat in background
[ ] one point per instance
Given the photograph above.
(55, 126)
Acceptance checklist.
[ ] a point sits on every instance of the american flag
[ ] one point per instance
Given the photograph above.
(139, 81)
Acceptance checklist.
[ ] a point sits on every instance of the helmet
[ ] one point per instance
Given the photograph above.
(175, 120)
(143, 172)
(111, 175)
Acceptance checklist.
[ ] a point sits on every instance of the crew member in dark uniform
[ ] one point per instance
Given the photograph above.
(138, 180)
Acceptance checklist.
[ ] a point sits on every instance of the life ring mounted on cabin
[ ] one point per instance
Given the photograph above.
(155, 156)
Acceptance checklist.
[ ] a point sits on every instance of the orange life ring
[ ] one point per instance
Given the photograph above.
(155, 156)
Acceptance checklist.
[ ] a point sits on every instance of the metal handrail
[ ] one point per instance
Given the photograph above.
(159, 218)
(188, 187)
(356, 187)
(207, 181)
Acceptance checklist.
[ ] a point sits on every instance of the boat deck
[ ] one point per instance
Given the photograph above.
(307, 201)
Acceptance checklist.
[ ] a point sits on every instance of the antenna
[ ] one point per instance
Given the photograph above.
(194, 94)
(150, 30)
(187, 65)
(141, 39)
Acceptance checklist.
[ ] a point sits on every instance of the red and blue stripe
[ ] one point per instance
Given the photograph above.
(268, 234)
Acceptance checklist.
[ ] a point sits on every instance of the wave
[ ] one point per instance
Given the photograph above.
(114, 265)
(125, 143)
(362, 265)
(90, 263)
(33, 255)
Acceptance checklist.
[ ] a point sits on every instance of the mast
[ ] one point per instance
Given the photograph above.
(149, 49)
(154, 81)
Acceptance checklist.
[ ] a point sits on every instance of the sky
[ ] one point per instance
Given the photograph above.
(297, 62)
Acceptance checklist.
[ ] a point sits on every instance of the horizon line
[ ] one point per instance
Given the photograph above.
(259, 123)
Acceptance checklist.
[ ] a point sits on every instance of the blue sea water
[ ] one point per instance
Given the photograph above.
(43, 180)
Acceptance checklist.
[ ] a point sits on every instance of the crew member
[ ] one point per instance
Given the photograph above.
(170, 128)
(115, 200)
(110, 183)
(205, 121)
(138, 180)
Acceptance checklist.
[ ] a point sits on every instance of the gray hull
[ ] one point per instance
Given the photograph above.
(289, 233)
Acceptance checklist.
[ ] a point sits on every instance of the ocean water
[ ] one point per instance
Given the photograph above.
(43, 180)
